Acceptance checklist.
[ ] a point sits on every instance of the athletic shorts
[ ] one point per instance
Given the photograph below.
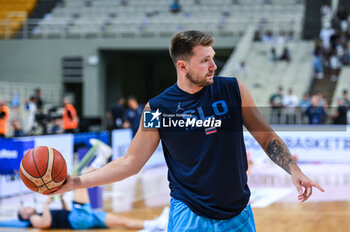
(181, 218)
(83, 217)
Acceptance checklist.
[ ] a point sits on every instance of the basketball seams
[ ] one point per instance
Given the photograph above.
(48, 183)
(51, 184)
(53, 178)
(49, 166)
(63, 167)
(44, 184)
(28, 176)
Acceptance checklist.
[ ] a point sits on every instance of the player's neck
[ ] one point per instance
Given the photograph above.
(186, 85)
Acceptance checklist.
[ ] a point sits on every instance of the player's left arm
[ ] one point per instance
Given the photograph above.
(42, 221)
(273, 145)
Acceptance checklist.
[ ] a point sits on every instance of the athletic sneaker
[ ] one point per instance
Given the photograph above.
(158, 224)
(103, 153)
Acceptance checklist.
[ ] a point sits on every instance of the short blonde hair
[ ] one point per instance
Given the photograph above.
(182, 44)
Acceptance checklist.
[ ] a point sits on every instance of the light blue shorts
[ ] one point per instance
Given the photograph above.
(181, 218)
(84, 217)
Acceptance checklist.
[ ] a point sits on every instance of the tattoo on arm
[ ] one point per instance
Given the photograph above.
(279, 153)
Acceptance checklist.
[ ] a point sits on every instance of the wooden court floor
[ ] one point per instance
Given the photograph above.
(278, 217)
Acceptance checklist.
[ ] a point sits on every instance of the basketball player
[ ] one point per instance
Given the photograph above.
(207, 166)
(82, 216)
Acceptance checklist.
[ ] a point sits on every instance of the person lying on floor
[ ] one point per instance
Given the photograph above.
(82, 216)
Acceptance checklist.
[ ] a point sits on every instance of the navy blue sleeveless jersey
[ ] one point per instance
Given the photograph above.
(207, 166)
(60, 219)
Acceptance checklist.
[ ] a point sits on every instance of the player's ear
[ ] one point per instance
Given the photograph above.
(181, 65)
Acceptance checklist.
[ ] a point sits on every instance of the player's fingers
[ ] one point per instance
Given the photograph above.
(316, 185)
(303, 189)
(308, 193)
(303, 200)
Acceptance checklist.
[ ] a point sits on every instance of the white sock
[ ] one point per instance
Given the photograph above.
(159, 223)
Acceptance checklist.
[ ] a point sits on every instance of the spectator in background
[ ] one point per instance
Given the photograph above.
(285, 55)
(317, 64)
(242, 69)
(340, 117)
(290, 103)
(303, 105)
(117, 113)
(175, 6)
(257, 36)
(326, 10)
(333, 41)
(321, 100)
(290, 36)
(346, 101)
(4, 115)
(342, 15)
(55, 127)
(335, 66)
(315, 112)
(273, 55)
(327, 61)
(39, 101)
(133, 115)
(276, 103)
(325, 35)
(17, 129)
(70, 120)
(268, 37)
(31, 108)
(346, 60)
(15, 108)
(281, 38)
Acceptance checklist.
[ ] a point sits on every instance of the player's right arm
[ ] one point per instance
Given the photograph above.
(273, 145)
(140, 150)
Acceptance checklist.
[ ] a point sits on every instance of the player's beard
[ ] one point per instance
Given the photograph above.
(198, 80)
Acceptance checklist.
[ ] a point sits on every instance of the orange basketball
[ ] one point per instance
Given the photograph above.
(43, 169)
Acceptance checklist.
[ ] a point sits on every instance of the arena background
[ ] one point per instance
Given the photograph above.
(96, 51)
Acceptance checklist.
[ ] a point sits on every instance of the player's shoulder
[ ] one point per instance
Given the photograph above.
(165, 96)
(170, 91)
(222, 79)
(225, 81)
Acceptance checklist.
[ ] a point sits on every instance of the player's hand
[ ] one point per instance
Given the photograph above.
(304, 185)
(49, 200)
(69, 184)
